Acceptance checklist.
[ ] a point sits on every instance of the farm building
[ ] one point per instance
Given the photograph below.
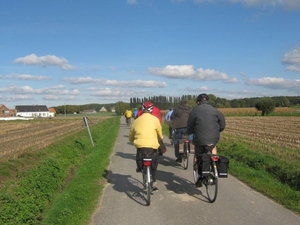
(6, 112)
(33, 111)
(103, 109)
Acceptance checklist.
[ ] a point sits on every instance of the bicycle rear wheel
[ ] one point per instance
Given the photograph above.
(147, 183)
(211, 186)
(185, 156)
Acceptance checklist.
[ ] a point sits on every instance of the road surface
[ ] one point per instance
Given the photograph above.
(177, 201)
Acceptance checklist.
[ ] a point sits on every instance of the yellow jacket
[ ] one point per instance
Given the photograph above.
(128, 114)
(146, 131)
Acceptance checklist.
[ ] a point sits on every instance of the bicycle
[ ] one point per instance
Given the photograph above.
(186, 150)
(147, 178)
(128, 121)
(210, 176)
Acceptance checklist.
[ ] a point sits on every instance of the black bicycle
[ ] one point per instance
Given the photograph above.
(185, 143)
(210, 175)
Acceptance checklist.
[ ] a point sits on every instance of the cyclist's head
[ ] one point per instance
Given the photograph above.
(147, 107)
(202, 97)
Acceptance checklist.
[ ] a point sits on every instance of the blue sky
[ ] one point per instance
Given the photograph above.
(56, 52)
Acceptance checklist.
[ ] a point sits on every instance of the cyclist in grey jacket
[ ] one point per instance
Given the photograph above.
(205, 122)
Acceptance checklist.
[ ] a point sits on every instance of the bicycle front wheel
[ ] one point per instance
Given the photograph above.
(211, 185)
(185, 157)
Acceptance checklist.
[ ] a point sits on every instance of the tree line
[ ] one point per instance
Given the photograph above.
(165, 103)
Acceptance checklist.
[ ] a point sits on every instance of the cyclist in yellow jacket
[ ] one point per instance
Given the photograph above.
(128, 115)
(145, 133)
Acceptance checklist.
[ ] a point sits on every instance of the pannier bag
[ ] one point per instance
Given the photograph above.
(222, 165)
(204, 165)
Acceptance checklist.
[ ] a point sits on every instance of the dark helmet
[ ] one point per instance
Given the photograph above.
(147, 107)
(202, 97)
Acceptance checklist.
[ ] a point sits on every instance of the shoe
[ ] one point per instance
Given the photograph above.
(199, 182)
(138, 170)
(179, 159)
(154, 186)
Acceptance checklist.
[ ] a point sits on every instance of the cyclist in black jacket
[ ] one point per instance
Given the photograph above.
(205, 122)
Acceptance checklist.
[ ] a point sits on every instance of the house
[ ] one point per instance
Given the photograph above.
(32, 111)
(113, 109)
(103, 109)
(6, 112)
(52, 111)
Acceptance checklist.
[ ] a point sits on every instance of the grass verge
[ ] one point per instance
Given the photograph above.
(275, 178)
(65, 183)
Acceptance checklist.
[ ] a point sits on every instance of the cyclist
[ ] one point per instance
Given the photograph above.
(128, 115)
(168, 122)
(205, 122)
(134, 113)
(179, 119)
(145, 133)
(155, 112)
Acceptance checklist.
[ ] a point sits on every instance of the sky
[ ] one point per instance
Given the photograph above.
(57, 52)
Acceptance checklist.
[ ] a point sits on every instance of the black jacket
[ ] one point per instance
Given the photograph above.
(180, 116)
(205, 122)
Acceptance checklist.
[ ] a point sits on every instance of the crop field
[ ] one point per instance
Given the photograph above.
(19, 137)
(276, 135)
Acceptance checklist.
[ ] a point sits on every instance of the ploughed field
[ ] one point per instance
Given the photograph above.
(19, 137)
(276, 135)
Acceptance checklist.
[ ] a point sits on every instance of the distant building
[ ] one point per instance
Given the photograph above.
(33, 111)
(103, 109)
(113, 109)
(52, 111)
(6, 112)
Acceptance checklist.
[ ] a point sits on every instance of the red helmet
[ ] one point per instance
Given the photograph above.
(147, 107)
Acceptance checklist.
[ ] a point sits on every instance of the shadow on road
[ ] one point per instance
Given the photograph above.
(132, 187)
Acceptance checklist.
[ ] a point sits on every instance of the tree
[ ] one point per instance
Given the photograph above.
(265, 105)
(121, 107)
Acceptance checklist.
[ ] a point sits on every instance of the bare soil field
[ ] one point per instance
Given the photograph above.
(19, 137)
(275, 135)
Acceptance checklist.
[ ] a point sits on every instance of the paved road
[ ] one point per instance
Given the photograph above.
(177, 201)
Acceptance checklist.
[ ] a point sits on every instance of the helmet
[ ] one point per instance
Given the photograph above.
(202, 97)
(147, 107)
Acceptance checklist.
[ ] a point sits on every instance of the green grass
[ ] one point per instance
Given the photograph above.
(272, 176)
(64, 185)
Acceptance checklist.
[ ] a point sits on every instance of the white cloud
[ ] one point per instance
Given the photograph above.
(119, 83)
(81, 80)
(134, 83)
(45, 61)
(188, 72)
(27, 77)
(275, 83)
(292, 59)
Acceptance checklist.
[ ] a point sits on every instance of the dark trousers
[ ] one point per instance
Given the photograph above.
(149, 153)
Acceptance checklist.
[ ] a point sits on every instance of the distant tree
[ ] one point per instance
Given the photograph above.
(121, 107)
(265, 105)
